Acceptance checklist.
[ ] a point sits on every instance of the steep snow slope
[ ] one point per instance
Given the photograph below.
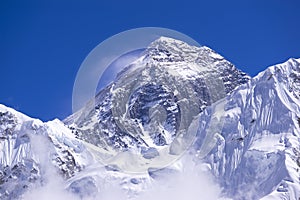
(257, 154)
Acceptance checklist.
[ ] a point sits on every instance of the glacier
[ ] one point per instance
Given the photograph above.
(246, 134)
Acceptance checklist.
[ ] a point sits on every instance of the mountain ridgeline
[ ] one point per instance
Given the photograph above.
(174, 100)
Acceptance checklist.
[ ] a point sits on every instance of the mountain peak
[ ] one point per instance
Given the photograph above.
(155, 98)
(286, 75)
(168, 41)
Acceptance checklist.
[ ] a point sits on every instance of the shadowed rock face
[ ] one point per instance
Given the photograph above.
(141, 106)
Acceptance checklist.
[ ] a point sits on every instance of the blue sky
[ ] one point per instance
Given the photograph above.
(43, 43)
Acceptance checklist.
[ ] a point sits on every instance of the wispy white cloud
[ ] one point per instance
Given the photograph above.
(192, 183)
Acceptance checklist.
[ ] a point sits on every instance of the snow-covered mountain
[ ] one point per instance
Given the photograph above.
(257, 153)
(155, 99)
(246, 131)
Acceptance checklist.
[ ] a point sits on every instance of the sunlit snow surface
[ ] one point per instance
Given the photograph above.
(255, 153)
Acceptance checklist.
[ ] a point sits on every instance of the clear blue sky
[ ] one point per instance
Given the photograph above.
(42, 43)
